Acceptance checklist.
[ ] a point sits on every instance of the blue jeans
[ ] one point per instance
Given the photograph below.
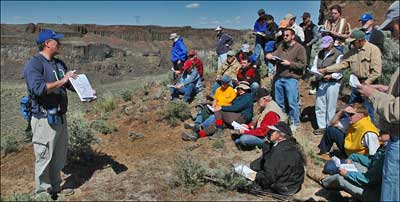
(249, 141)
(390, 176)
(270, 68)
(257, 51)
(355, 96)
(332, 135)
(204, 124)
(290, 88)
(187, 91)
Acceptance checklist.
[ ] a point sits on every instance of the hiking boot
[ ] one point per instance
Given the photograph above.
(319, 131)
(189, 136)
(219, 133)
(194, 127)
(312, 91)
(324, 156)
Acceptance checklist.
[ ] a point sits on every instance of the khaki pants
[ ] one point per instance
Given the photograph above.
(50, 147)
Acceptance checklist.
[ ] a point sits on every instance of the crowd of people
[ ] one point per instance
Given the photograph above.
(356, 131)
(369, 142)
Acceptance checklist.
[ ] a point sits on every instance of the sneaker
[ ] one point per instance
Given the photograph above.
(217, 135)
(319, 131)
(324, 156)
(189, 136)
(312, 91)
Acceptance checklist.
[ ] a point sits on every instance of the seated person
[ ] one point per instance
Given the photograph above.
(244, 51)
(250, 74)
(224, 96)
(230, 68)
(280, 169)
(269, 114)
(240, 111)
(189, 83)
(197, 62)
(361, 137)
(363, 184)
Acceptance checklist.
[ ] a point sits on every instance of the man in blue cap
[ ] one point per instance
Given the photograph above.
(372, 35)
(47, 80)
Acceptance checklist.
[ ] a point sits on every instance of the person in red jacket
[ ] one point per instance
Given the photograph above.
(197, 62)
(250, 74)
(254, 133)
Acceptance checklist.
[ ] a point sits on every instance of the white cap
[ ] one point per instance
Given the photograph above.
(173, 36)
(219, 28)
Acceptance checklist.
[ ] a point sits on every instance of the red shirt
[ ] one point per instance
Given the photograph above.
(199, 65)
(270, 119)
(248, 74)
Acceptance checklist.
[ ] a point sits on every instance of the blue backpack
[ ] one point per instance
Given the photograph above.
(26, 107)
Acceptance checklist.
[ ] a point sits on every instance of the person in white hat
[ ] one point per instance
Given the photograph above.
(223, 45)
(297, 29)
(178, 51)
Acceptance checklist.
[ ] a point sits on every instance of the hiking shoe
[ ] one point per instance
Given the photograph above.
(312, 91)
(219, 133)
(194, 127)
(319, 131)
(324, 156)
(189, 136)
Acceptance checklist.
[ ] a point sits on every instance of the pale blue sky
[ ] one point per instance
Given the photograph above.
(199, 14)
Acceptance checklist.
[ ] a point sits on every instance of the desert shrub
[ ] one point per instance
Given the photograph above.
(25, 197)
(189, 172)
(176, 111)
(9, 144)
(102, 127)
(106, 104)
(218, 144)
(81, 138)
(126, 95)
(390, 60)
(229, 179)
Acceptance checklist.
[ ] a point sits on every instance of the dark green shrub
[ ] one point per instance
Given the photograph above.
(218, 144)
(176, 111)
(9, 144)
(126, 95)
(106, 104)
(102, 127)
(81, 138)
(390, 60)
(189, 172)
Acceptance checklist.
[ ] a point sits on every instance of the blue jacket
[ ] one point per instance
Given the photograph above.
(178, 51)
(260, 28)
(223, 40)
(242, 104)
(193, 77)
(37, 72)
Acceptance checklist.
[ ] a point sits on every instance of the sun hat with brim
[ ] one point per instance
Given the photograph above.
(231, 53)
(356, 35)
(245, 48)
(391, 14)
(283, 24)
(326, 41)
(289, 16)
(47, 34)
(261, 92)
(173, 36)
(243, 86)
(219, 28)
(225, 79)
(282, 127)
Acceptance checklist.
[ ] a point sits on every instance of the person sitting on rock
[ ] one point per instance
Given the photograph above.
(224, 96)
(230, 68)
(269, 114)
(189, 83)
(362, 135)
(240, 111)
(280, 169)
(363, 184)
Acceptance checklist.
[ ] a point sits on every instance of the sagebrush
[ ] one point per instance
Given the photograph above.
(176, 111)
(81, 137)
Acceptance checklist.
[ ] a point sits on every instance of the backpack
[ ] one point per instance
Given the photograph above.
(25, 107)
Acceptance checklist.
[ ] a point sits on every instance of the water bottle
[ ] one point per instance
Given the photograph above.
(52, 116)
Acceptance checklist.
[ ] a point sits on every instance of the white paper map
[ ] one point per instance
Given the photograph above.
(354, 82)
(245, 171)
(237, 126)
(82, 87)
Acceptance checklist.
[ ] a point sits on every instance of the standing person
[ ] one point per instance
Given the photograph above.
(297, 29)
(283, 25)
(47, 80)
(178, 51)
(392, 20)
(287, 74)
(224, 43)
(365, 63)
(311, 34)
(328, 85)
(337, 27)
(259, 29)
(386, 102)
(372, 35)
(272, 29)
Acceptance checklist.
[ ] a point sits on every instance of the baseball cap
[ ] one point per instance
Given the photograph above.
(365, 17)
(282, 127)
(391, 14)
(47, 34)
(306, 15)
(231, 53)
(261, 92)
(289, 16)
(187, 65)
(219, 28)
(356, 35)
(173, 36)
(243, 85)
(326, 41)
(283, 24)
(245, 48)
(261, 11)
(225, 79)
(192, 52)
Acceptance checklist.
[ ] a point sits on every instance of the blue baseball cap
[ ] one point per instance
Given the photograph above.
(225, 79)
(47, 34)
(366, 16)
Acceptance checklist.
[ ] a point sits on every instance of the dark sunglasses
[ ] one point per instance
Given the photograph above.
(350, 114)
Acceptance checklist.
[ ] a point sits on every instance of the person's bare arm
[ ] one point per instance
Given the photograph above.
(335, 120)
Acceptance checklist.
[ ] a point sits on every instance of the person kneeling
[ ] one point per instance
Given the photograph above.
(269, 114)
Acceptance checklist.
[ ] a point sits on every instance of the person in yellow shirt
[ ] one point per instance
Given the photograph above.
(224, 95)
